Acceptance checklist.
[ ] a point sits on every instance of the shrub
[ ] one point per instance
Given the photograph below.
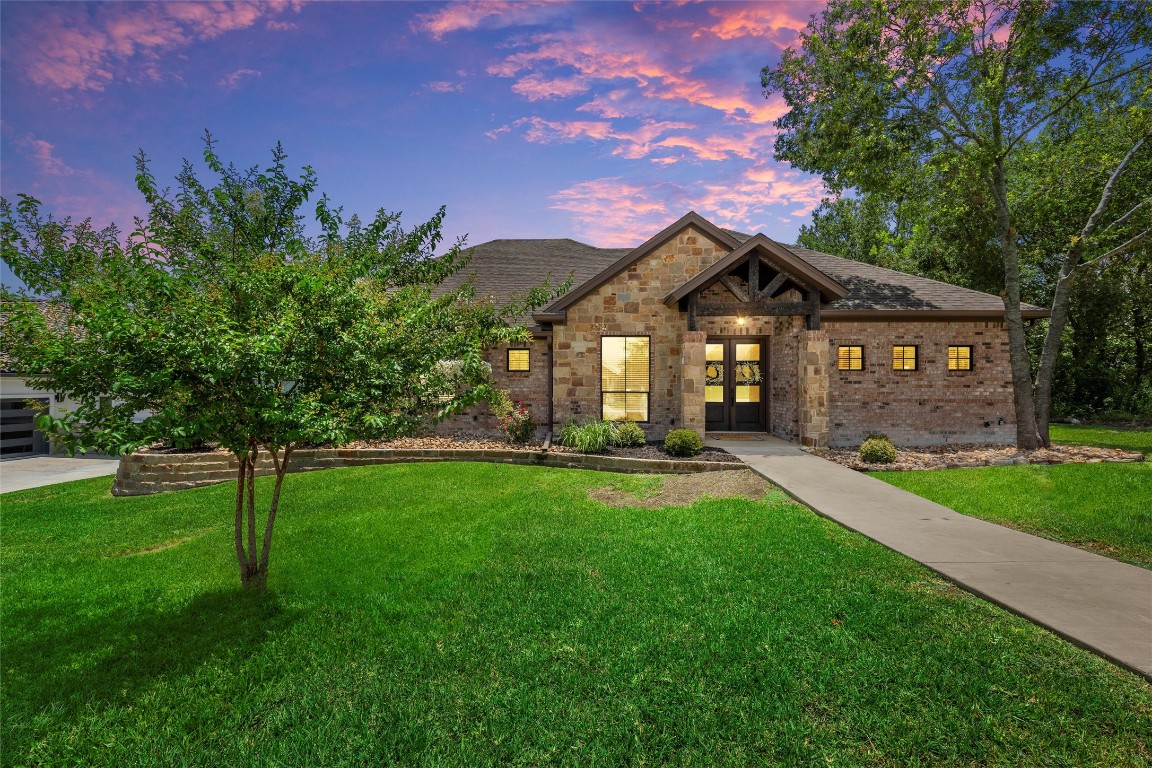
(629, 434)
(515, 419)
(877, 450)
(593, 437)
(683, 442)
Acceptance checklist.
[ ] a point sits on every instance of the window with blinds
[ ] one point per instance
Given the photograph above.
(519, 360)
(849, 358)
(960, 358)
(625, 365)
(903, 358)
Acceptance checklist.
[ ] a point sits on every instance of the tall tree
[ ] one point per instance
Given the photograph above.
(222, 320)
(967, 84)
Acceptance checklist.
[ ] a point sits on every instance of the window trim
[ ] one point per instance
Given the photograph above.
(948, 358)
(508, 360)
(915, 357)
(850, 347)
(600, 373)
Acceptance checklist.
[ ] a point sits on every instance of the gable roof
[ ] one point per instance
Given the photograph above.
(693, 219)
(504, 268)
(758, 246)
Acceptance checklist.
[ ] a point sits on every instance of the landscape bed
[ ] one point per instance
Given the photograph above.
(485, 614)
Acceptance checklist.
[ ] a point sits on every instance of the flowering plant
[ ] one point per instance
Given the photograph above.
(518, 424)
(515, 419)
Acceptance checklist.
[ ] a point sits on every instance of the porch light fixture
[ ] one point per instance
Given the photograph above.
(740, 320)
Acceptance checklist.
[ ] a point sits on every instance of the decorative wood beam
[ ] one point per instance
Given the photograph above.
(814, 313)
(754, 308)
(730, 283)
(754, 274)
(776, 284)
(692, 310)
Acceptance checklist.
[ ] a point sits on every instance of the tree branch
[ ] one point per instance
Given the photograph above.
(1118, 250)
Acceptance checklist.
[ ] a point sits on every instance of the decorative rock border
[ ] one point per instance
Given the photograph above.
(141, 474)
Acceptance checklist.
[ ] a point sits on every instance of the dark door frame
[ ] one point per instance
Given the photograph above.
(729, 342)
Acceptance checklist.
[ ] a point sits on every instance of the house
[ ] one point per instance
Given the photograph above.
(718, 331)
(19, 398)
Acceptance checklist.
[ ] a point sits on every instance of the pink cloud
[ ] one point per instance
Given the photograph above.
(234, 79)
(73, 49)
(444, 86)
(537, 87)
(612, 212)
(490, 14)
(43, 155)
(780, 23)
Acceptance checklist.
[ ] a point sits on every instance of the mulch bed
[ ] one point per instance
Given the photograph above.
(650, 451)
(959, 456)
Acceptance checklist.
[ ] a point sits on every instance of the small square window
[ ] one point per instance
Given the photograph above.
(850, 358)
(960, 358)
(519, 360)
(903, 358)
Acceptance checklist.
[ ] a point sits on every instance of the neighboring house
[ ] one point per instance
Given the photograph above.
(718, 331)
(18, 392)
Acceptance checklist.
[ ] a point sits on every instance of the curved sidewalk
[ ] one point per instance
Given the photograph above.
(1098, 603)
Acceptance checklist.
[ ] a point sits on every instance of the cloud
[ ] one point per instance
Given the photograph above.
(613, 211)
(488, 14)
(536, 87)
(43, 156)
(443, 86)
(233, 80)
(75, 48)
(779, 23)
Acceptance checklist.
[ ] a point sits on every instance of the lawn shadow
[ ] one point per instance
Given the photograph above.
(119, 655)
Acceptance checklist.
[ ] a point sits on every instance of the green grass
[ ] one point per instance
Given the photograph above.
(1105, 508)
(1103, 437)
(478, 614)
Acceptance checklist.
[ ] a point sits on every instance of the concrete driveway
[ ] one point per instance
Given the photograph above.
(35, 471)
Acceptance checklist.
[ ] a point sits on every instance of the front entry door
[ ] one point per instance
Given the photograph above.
(735, 384)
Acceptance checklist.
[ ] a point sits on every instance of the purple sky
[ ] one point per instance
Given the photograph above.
(598, 121)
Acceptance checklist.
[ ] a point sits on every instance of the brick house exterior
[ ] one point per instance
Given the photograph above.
(714, 330)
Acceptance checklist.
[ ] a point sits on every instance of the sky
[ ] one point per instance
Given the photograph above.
(599, 121)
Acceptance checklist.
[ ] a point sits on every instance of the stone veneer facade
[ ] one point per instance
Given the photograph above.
(810, 400)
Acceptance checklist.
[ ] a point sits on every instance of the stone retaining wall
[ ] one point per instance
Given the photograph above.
(140, 474)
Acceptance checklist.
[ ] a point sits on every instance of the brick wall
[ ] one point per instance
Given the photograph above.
(928, 406)
(530, 387)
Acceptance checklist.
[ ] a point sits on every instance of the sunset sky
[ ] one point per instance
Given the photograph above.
(598, 121)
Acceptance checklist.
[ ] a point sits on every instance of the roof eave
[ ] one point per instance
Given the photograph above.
(927, 314)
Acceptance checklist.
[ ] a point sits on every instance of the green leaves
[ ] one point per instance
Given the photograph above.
(222, 320)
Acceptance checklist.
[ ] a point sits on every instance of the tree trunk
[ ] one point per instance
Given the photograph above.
(1023, 396)
(1046, 370)
(253, 563)
(1138, 324)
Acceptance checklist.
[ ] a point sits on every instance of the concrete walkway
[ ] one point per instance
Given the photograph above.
(36, 471)
(1098, 603)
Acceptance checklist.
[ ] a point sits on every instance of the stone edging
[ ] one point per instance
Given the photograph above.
(140, 474)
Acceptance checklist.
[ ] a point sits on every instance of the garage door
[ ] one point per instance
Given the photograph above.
(18, 435)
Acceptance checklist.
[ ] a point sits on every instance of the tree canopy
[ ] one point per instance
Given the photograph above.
(222, 318)
(961, 122)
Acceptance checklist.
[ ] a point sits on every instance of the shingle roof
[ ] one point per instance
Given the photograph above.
(502, 269)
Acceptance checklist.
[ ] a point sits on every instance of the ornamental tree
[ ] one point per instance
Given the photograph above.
(222, 318)
(961, 89)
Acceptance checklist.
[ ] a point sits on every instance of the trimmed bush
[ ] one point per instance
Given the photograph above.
(629, 434)
(683, 442)
(878, 450)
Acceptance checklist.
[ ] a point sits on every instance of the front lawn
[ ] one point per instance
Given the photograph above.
(1105, 508)
(480, 614)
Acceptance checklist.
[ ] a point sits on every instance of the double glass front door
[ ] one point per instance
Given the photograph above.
(735, 385)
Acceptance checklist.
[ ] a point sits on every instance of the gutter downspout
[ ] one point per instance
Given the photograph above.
(551, 406)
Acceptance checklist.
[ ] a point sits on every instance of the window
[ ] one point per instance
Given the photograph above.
(624, 367)
(903, 358)
(959, 358)
(850, 358)
(519, 360)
